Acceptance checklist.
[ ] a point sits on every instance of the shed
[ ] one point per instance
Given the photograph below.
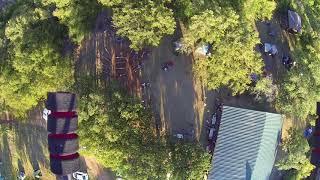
(246, 145)
(294, 21)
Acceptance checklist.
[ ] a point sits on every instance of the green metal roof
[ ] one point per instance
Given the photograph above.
(246, 145)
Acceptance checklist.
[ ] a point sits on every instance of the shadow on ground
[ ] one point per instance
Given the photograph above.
(7, 169)
(32, 141)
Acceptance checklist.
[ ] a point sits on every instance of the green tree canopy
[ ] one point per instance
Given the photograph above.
(118, 131)
(144, 23)
(78, 15)
(210, 27)
(229, 27)
(296, 147)
(34, 65)
(258, 9)
(188, 161)
(299, 91)
(111, 2)
(233, 58)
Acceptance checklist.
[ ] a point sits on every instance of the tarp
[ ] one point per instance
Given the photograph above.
(294, 21)
(203, 50)
(270, 48)
(61, 102)
(177, 45)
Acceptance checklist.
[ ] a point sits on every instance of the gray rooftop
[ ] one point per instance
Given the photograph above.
(246, 145)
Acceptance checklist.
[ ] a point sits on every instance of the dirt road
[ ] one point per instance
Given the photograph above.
(175, 94)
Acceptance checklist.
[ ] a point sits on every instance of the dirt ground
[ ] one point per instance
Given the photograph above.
(175, 95)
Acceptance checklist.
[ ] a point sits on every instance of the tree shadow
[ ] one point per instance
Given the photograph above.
(20, 166)
(6, 157)
(31, 140)
(248, 171)
(83, 165)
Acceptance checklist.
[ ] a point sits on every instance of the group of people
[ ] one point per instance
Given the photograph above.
(167, 65)
(288, 62)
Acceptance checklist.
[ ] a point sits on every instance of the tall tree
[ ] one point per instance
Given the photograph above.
(78, 15)
(188, 161)
(144, 23)
(118, 131)
(299, 91)
(258, 9)
(296, 147)
(232, 59)
(111, 2)
(34, 64)
(210, 27)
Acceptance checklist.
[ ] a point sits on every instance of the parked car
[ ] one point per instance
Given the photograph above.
(45, 114)
(80, 176)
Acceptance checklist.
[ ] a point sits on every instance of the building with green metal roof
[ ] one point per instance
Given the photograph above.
(246, 145)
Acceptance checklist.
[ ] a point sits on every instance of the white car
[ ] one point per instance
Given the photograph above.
(45, 114)
(80, 176)
(179, 136)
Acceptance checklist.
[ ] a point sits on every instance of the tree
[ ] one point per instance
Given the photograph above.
(299, 90)
(265, 87)
(258, 9)
(210, 27)
(185, 9)
(144, 23)
(188, 161)
(78, 15)
(117, 130)
(296, 147)
(232, 49)
(229, 27)
(34, 65)
(111, 2)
